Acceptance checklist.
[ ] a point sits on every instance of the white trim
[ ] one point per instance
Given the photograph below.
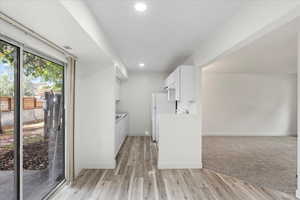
(250, 134)
(298, 115)
(23, 48)
(298, 194)
(43, 55)
(21, 120)
(29, 49)
(179, 165)
(66, 115)
(34, 34)
(10, 40)
(69, 119)
(56, 190)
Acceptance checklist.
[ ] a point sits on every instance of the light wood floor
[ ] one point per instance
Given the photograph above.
(137, 177)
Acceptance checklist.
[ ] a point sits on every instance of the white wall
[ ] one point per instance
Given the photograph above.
(94, 116)
(249, 104)
(136, 99)
(255, 19)
(95, 74)
(21, 37)
(298, 117)
(86, 19)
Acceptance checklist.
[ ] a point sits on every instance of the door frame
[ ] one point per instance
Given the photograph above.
(18, 129)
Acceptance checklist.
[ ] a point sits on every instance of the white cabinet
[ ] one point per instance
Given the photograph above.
(170, 81)
(187, 83)
(121, 132)
(177, 76)
(118, 89)
(171, 84)
(181, 84)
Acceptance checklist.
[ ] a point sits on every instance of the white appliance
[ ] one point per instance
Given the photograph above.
(160, 105)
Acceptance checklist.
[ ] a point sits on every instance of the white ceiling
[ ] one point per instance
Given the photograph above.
(275, 52)
(166, 34)
(50, 19)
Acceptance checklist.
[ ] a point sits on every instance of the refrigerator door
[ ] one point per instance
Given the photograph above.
(153, 117)
(160, 105)
(163, 106)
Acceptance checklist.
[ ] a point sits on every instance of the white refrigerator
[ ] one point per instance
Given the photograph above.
(160, 105)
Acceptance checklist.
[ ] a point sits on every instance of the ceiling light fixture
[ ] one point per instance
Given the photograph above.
(142, 65)
(140, 7)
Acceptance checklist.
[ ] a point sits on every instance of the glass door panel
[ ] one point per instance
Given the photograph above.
(43, 126)
(8, 122)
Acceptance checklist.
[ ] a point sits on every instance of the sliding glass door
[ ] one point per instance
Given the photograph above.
(9, 134)
(43, 126)
(41, 140)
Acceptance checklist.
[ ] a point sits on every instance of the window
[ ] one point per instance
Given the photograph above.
(40, 107)
(43, 126)
(9, 56)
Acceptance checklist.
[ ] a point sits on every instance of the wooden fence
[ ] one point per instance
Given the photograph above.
(29, 103)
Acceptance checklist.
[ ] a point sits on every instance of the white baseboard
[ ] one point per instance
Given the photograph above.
(235, 133)
(168, 165)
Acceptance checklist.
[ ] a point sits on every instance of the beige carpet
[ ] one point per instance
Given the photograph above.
(265, 161)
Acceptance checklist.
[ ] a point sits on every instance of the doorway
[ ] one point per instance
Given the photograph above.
(250, 111)
(32, 118)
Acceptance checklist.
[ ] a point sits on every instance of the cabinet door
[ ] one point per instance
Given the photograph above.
(177, 84)
(188, 83)
(167, 81)
(170, 80)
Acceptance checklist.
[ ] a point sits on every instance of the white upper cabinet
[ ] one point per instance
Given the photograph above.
(181, 84)
(170, 81)
(121, 75)
(187, 83)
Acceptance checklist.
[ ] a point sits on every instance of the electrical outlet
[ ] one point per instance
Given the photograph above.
(146, 132)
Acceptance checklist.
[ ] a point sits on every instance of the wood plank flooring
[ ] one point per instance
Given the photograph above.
(137, 177)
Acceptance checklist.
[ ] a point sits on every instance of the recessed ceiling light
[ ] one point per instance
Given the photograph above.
(140, 7)
(142, 65)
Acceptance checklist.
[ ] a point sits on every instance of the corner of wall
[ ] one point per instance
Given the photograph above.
(298, 193)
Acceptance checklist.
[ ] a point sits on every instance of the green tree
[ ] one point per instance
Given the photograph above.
(7, 86)
(29, 89)
(47, 71)
(34, 66)
(7, 54)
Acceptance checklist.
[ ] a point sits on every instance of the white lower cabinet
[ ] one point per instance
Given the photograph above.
(121, 132)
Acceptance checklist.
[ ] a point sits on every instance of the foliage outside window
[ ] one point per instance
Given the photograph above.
(36, 70)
